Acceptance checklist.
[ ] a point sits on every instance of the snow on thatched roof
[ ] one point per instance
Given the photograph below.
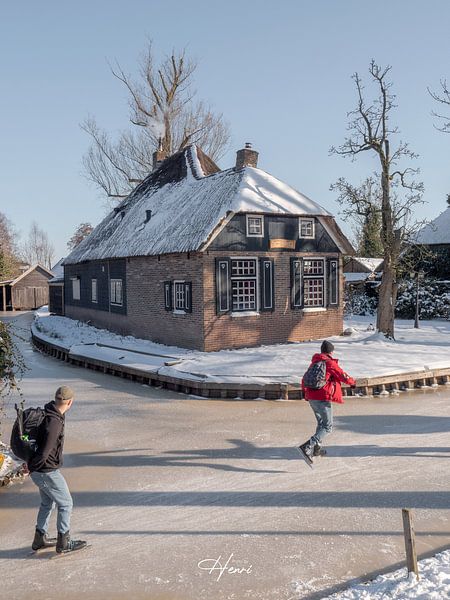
(189, 197)
(436, 232)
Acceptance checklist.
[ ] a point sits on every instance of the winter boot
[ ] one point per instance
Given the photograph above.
(66, 544)
(42, 541)
(319, 451)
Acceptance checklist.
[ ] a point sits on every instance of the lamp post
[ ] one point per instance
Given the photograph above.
(417, 275)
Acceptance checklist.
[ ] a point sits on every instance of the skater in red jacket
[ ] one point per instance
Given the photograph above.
(321, 386)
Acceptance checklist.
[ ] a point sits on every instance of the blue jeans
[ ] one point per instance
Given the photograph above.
(54, 490)
(323, 412)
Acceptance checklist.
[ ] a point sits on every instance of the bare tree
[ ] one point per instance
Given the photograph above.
(165, 115)
(443, 98)
(8, 248)
(362, 208)
(371, 131)
(38, 248)
(81, 232)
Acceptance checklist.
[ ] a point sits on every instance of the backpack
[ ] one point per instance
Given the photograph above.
(315, 377)
(25, 430)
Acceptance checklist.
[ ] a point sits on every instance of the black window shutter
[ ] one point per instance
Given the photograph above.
(168, 304)
(266, 273)
(333, 282)
(188, 296)
(223, 295)
(296, 283)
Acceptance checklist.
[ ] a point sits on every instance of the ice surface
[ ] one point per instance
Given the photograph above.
(162, 481)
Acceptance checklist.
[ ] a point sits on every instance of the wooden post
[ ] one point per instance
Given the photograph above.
(410, 542)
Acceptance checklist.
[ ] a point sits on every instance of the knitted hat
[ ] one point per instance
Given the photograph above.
(64, 393)
(326, 347)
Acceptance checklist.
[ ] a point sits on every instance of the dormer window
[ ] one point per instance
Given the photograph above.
(255, 226)
(306, 229)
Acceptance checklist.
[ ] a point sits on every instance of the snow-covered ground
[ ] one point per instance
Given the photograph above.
(363, 354)
(434, 583)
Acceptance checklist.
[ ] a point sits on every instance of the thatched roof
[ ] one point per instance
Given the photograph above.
(178, 206)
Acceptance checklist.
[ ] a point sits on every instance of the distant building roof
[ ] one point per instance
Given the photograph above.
(58, 271)
(356, 277)
(178, 206)
(436, 232)
(371, 264)
(25, 273)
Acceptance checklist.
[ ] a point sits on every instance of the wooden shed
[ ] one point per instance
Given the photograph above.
(27, 291)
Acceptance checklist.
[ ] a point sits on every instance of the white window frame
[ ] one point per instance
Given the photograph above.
(113, 292)
(312, 221)
(253, 311)
(261, 218)
(94, 287)
(76, 289)
(314, 276)
(179, 310)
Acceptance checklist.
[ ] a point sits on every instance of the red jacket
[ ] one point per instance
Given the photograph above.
(331, 391)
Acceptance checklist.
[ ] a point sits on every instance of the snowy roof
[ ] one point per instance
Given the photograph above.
(371, 264)
(189, 197)
(436, 232)
(25, 273)
(356, 277)
(58, 271)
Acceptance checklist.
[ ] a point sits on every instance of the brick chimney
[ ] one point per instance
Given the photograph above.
(158, 156)
(246, 157)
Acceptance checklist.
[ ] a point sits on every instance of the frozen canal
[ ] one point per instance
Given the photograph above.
(162, 482)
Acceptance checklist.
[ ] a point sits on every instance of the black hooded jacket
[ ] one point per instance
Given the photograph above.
(50, 441)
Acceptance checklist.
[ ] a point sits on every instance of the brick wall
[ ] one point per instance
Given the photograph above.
(280, 326)
(203, 329)
(146, 315)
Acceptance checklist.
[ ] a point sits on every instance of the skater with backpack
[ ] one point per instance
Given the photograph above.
(38, 438)
(321, 386)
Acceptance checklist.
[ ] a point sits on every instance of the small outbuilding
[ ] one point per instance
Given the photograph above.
(56, 290)
(27, 291)
(358, 270)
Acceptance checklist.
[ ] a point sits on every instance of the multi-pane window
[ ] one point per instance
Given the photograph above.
(116, 292)
(313, 283)
(313, 267)
(255, 226)
(313, 292)
(179, 295)
(76, 288)
(243, 285)
(94, 290)
(306, 228)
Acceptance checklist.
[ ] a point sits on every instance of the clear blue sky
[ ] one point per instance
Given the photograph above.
(280, 72)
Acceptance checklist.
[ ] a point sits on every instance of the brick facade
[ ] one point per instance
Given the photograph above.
(203, 329)
(282, 325)
(146, 314)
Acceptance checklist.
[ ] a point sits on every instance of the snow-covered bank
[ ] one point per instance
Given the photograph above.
(363, 354)
(434, 583)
